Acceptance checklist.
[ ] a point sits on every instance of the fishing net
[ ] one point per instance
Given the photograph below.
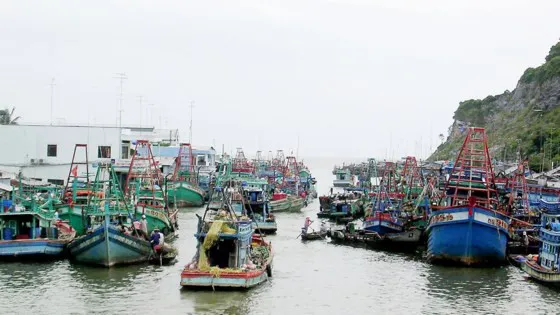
(259, 255)
(212, 236)
(209, 241)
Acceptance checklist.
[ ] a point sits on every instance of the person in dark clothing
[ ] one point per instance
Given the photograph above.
(154, 239)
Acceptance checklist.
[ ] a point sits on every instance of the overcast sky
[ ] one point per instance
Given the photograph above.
(350, 78)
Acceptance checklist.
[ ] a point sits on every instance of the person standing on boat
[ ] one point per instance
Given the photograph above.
(155, 239)
(144, 225)
(306, 225)
(525, 241)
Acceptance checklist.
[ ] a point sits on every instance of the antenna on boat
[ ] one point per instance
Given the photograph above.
(190, 126)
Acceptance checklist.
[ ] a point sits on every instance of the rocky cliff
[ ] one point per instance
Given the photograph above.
(525, 120)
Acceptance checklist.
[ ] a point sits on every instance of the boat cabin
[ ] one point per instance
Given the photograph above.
(25, 225)
(151, 201)
(226, 247)
(549, 235)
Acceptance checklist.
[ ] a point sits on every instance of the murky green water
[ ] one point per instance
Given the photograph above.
(309, 278)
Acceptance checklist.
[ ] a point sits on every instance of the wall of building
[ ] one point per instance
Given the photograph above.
(24, 148)
(24, 143)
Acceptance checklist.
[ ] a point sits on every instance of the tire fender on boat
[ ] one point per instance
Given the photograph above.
(269, 270)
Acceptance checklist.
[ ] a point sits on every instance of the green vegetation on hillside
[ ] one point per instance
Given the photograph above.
(548, 70)
(531, 128)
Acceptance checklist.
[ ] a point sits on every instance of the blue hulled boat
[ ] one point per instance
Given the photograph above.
(47, 240)
(383, 214)
(546, 268)
(383, 223)
(468, 235)
(107, 246)
(111, 238)
(467, 229)
(31, 232)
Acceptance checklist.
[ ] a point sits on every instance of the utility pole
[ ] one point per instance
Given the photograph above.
(140, 99)
(150, 114)
(540, 111)
(52, 98)
(297, 149)
(121, 77)
(190, 126)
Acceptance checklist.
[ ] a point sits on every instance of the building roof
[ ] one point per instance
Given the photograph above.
(4, 187)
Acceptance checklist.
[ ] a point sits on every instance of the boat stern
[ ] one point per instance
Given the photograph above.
(224, 280)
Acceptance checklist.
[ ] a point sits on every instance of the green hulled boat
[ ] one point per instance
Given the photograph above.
(157, 216)
(182, 189)
(186, 194)
(287, 203)
(143, 187)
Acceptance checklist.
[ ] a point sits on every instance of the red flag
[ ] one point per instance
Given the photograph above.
(74, 171)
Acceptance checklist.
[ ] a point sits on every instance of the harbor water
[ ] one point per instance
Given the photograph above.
(308, 278)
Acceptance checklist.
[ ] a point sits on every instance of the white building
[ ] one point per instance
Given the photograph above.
(44, 152)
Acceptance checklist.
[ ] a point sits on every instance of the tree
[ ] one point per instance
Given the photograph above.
(7, 117)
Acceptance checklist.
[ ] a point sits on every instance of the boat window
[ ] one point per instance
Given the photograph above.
(201, 160)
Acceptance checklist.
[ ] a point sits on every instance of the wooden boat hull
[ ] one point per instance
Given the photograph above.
(402, 241)
(185, 194)
(344, 237)
(540, 274)
(516, 260)
(382, 226)
(282, 205)
(106, 246)
(32, 248)
(467, 236)
(313, 236)
(412, 236)
(323, 215)
(297, 204)
(265, 227)
(241, 280)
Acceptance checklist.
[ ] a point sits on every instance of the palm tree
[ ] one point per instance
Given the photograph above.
(7, 117)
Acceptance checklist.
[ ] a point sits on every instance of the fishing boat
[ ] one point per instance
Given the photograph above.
(255, 201)
(249, 201)
(183, 188)
(228, 254)
(75, 195)
(467, 229)
(343, 178)
(28, 232)
(248, 196)
(282, 202)
(546, 268)
(111, 239)
(144, 187)
(47, 239)
(314, 235)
